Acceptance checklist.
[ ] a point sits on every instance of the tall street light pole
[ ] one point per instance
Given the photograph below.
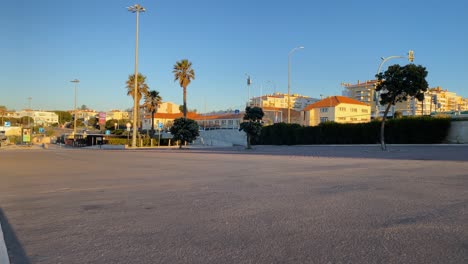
(410, 57)
(136, 9)
(289, 81)
(76, 81)
(249, 82)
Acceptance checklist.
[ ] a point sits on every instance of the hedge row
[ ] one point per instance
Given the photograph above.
(407, 130)
(146, 141)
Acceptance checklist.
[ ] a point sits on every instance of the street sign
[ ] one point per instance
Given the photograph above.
(41, 130)
(129, 126)
(108, 132)
(236, 111)
(26, 135)
(7, 124)
(102, 118)
(160, 125)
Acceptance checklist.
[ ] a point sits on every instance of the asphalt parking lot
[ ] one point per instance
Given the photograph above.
(229, 205)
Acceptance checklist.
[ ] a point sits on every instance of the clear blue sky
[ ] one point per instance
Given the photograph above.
(45, 44)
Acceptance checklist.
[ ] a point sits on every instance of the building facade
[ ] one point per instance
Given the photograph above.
(338, 109)
(117, 115)
(435, 100)
(279, 100)
(42, 118)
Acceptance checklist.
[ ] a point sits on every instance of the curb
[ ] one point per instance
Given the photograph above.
(4, 259)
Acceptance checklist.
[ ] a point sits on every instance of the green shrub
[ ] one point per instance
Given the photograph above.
(405, 130)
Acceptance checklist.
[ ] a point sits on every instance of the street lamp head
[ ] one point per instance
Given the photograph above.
(75, 81)
(136, 8)
(296, 48)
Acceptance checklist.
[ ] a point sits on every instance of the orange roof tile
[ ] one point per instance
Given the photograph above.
(333, 101)
(220, 116)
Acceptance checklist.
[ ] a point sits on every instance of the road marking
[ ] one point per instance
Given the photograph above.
(4, 259)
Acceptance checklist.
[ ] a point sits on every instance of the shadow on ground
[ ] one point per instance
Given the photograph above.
(15, 249)
(395, 152)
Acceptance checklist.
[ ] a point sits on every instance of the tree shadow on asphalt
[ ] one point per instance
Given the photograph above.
(15, 249)
(434, 153)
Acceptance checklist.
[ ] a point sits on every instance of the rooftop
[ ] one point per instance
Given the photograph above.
(333, 101)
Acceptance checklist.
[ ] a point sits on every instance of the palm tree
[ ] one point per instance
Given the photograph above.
(142, 86)
(184, 73)
(142, 89)
(3, 111)
(152, 101)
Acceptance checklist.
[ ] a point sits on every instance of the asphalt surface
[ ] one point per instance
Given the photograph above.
(269, 205)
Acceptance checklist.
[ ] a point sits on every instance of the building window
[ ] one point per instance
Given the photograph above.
(353, 119)
(354, 110)
(323, 119)
(343, 109)
(364, 110)
(323, 110)
(342, 118)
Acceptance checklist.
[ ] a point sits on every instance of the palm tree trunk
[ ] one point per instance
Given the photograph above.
(382, 128)
(185, 102)
(152, 122)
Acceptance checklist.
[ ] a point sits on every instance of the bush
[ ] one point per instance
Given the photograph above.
(405, 130)
(146, 141)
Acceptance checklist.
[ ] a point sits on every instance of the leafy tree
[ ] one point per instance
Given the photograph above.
(398, 84)
(152, 101)
(93, 121)
(184, 73)
(63, 116)
(84, 107)
(110, 124)
(25, 120)
(185, 130)
(253, 126)
(79, 123)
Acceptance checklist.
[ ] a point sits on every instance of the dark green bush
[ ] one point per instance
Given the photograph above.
(406, 130)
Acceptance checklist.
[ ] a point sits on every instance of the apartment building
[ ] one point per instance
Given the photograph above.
(44, 118)
(117, 115)
(445, 101)
(280, 100)
(435, 99)
(166, 119)
(338, 109)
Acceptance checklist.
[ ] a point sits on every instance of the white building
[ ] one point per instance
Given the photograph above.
(278, 100)
(40, 117)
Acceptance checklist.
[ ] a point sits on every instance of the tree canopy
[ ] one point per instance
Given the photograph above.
(398, 84)
(253, 126)
(185, 130)
(142, 86)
